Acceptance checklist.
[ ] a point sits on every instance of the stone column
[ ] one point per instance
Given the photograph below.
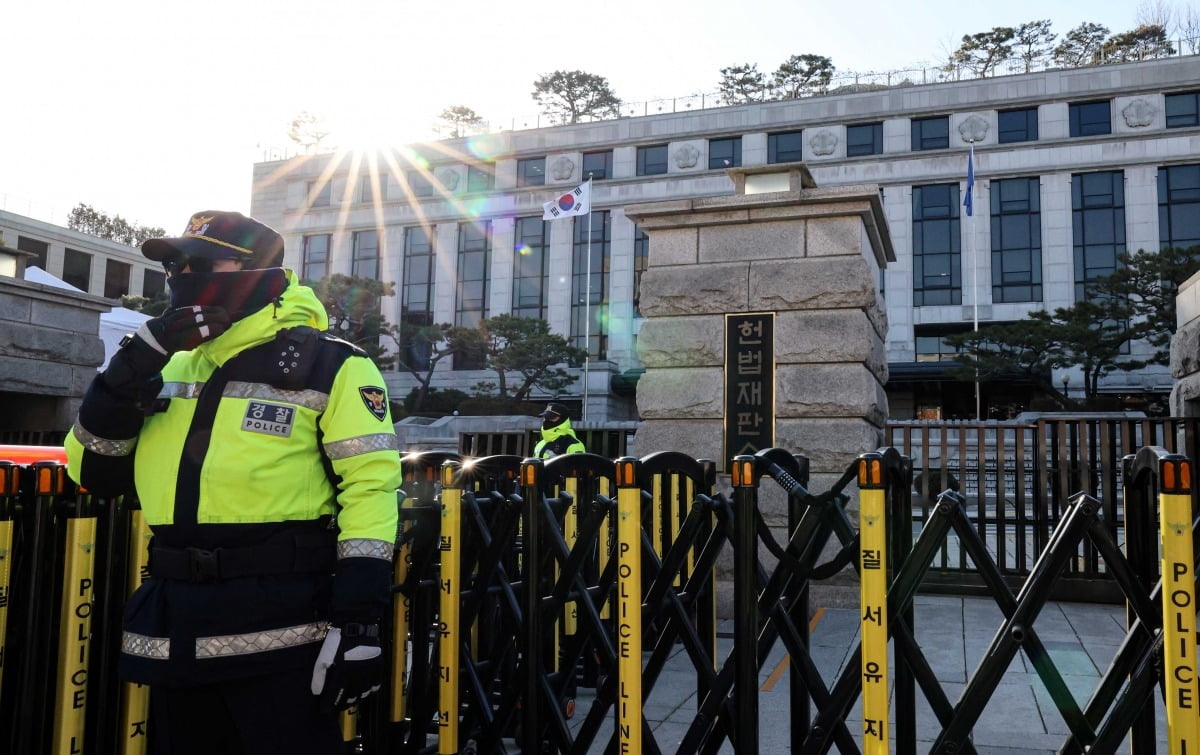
(813, 257)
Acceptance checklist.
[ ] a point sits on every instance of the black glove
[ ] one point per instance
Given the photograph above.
(349, 667)
(183, 328)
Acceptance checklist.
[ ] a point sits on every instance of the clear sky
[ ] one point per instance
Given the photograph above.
(154, 109)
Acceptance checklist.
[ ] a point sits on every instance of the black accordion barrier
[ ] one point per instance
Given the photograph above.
(537, 605)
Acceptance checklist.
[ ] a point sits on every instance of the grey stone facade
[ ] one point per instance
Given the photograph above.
(49, 352)
(1139, 145)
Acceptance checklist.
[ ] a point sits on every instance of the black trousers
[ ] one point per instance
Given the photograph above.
(259, 715)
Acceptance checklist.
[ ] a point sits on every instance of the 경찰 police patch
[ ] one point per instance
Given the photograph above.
(375, 399)
(269, 419)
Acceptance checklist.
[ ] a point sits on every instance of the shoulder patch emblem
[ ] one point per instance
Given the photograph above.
(375, 400)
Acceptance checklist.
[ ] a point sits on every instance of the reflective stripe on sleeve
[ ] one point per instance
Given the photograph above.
(180, 390)
(362, 444)
(365, 548)
(102, 446)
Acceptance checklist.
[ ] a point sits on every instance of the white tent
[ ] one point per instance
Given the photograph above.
(113, 324)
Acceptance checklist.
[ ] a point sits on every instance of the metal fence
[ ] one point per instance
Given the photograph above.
(1016, 479)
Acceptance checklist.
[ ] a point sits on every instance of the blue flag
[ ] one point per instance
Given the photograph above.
(969, 202)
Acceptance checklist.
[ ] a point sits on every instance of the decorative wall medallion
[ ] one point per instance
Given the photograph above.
(824, 142)
(1139, 113)
(973, 129)
(449, 178)
(686, 156)
(562, 168)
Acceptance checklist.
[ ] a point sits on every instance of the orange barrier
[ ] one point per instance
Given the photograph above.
(26, 455)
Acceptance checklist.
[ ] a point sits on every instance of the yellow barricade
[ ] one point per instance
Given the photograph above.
(873, 585)
(135, 703)
(448, 611)
(629, 607)
(75, 630)
(1179, 606)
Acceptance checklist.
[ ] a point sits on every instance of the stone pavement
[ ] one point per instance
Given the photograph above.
(953, 632)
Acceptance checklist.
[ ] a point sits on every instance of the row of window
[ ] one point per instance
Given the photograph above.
(1098, 232)
(1016, 125)
(77, 270)
(590, 266)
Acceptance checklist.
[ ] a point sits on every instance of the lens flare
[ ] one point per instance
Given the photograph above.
(524, 250)
(485, 146)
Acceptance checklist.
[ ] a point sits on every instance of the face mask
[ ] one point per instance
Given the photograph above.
(239, 293)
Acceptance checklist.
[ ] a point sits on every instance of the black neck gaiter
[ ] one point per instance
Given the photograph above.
(239, 293)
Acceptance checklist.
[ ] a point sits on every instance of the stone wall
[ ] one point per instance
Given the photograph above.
(1185, 350)
(49, 352)
(813, 257)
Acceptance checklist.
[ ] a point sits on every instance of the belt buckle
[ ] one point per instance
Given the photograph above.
(205, 565)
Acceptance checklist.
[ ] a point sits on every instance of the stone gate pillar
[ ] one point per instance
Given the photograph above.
(813, 257)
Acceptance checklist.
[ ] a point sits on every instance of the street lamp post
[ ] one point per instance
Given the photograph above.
(1066, 381)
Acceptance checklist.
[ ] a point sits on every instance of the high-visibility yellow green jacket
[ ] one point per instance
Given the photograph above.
(556, 440)
(268, 473)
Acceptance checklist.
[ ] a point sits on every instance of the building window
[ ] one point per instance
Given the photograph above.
(154, 283)
(589, 268)
(416, 298)
(471, 294)
(1183, 109)
(864, 139)
(116, 278)
(530, 267)
(937, 273)
(366, 189)
(77, 269)
(1179, 206)
(364, 257)
(419, 184)
(416, 304)
(480, 178)
(1016, 240)
(641, 257)
(1098, 225)
(320, 193)
(930, 133)
(1090, 118)
(597, 165)
(785, 147)
(1017, 125)
(931, 343)
(531, 171)
(652, 161)
(315, 264)
(39, 248)
(724, 153)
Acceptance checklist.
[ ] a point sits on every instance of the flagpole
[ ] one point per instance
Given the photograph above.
(974, 277)
(587, 311)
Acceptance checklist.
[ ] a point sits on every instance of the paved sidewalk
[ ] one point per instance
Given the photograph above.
(953, 632)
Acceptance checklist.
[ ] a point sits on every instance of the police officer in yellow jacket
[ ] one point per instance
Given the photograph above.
(264, 457)
(557, 437)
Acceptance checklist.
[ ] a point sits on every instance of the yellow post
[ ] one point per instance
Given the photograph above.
(1179, 606)
(75, 630)
(448, 610)
(570, 535)
(349, 721)
(135, 699)
(401, 617)
(6, 537)
(629, 607)
(9, 485)
(873, 581)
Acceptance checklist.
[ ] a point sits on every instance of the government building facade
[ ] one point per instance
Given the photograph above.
(1071, 168)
